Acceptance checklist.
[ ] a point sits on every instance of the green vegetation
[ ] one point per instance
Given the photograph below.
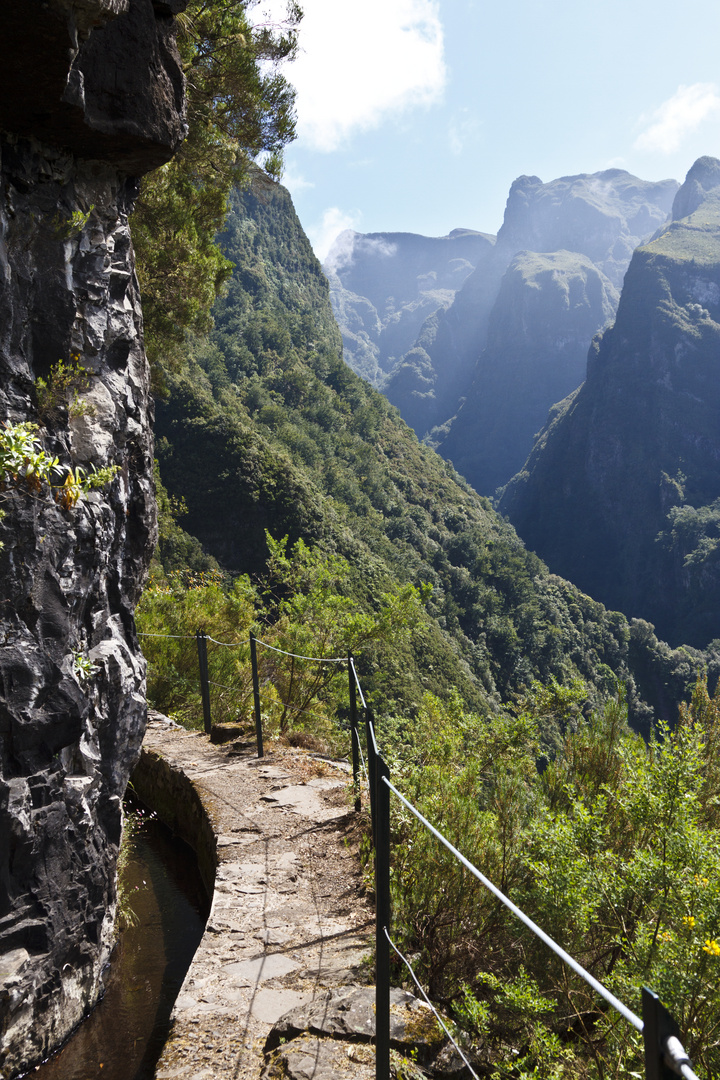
(620, 491)
(316, 521)
(301, 606)
(612, 850)
(239, 107)
(63, 390)
(25, 466)
(266, 429)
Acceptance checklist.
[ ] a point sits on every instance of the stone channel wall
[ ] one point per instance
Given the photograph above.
(91, 96)
(173, 796)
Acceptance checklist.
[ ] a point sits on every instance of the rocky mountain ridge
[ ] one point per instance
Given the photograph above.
(385, 285)
(620, 493)
(489, 361)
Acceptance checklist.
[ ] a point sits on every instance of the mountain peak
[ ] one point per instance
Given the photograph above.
(702, 177)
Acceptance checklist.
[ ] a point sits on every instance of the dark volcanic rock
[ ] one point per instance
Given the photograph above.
(72, 708)
(99, 78)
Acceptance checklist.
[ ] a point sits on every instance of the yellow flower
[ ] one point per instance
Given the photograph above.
(689, 920)
(712, 947)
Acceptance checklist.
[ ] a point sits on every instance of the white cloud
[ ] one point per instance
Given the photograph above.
(464, 129)
(294, 182)
(334, 222)
(678, 117)
(359, 63)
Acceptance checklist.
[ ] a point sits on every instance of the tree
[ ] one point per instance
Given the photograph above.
(240, 110)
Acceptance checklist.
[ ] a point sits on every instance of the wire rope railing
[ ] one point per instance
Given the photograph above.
(665, 1056)
(299, 656)
(437, 1015)
(351, 662)
(520, 914)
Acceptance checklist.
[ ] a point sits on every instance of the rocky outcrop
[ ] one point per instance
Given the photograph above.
(621, 493)
(96, 100)
(547, 310)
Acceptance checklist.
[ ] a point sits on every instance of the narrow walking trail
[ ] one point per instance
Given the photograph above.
(290, 921)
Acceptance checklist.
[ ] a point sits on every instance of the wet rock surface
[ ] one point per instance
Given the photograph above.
(72, 709)
(98, 78)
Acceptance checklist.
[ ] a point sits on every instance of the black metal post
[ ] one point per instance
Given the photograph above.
(372, 769)
(201, 639)
(354, 733)
(658, 1026)
(256, 695)
(382, 922)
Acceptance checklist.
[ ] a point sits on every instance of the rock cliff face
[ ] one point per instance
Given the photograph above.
(547, 310)
(621, 493)
(92, 96)
(383, 286)
(511, 338)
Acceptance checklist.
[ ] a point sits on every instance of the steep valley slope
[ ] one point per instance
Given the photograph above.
(493, 355)
(268, 428)
(621, 492)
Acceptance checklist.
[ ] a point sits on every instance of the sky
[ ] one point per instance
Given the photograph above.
(417, 115)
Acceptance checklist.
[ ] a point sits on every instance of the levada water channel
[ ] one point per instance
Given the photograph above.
(123, 1036)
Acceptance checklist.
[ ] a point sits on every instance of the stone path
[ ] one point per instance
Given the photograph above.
(290, 921)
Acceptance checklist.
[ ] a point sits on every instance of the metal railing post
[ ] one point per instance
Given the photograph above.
(372, 770)
(256, 695)
(201, 639)
(382, 922)
(658, 1027)
(354, 733)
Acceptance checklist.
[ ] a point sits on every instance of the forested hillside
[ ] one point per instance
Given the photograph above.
(266, 428)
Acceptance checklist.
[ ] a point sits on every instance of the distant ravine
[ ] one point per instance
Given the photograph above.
(474, 337)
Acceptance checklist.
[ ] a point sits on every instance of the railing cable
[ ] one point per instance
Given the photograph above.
(677, 1059)
(362, 756)
(371, 729)
(569, 960)
(227, 644)
(438, 1017)
(175, 637)
(357, 683)
(298, 656)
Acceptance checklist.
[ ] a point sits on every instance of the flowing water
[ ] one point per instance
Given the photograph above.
(124, 1035)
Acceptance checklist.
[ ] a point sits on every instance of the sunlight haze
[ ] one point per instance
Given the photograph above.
(417, 115)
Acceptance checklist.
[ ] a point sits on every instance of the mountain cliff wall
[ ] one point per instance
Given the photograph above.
(91, 96)
(622, 490)
(495, 351)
